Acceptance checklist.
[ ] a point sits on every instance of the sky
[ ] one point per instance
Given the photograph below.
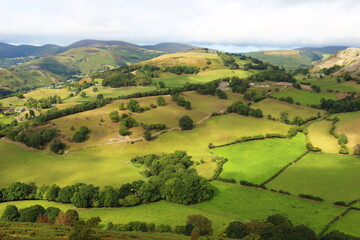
(232, 25)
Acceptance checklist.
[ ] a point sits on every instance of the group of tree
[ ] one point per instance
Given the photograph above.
(330, 70)
(127, 122)
(238, 85)
(347, 104)
(186, 123)
(182, 69)
(211, 88)
(171, 178)
(244, 109)
(42, 103)
(272, 75)
(228, 60)
(81, 135)
(180, 101)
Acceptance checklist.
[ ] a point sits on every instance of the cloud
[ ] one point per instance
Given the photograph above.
(213, 22)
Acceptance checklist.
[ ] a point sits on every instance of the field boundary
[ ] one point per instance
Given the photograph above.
(284, 168)
(337, 218)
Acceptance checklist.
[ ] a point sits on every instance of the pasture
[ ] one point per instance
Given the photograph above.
(257, 161)
(173, 80)
(12, 102)
(329, 176)
(161, 212)
(348, 224)
(304, 97)
(274, 107)
(330, 83)
(349, 125)
(47, 92)
(319, 135)
(109, 164)
(255, 204)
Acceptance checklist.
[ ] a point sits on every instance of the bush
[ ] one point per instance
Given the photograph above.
(186, 123)
(236, 230)
(307, 196)
(147, 136)
(81, 135)
(161, 101)
(31, 214)
(114, 116)
(57, 146)
(124, 131)
(10, 213)
(203, 224)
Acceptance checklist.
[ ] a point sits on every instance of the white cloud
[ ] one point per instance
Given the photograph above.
(237, 22)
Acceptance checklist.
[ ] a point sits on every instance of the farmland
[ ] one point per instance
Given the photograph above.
(275, 107)
(257, 161)
(349, 125)
(304, 97)
(349, 223)
(317, 174)
(319, 135)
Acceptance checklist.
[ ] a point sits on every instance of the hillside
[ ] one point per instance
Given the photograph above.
(16, 80)
(348, 60)
(169, 47)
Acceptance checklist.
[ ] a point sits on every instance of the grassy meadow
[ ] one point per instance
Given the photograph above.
(255, 204)
(257, 161)
(319, 135)
(304, 97)
(332, 177)
(348, 224)
(349, 125)
(330, 83)
(274, 107)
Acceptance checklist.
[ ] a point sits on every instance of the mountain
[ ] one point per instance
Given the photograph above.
(15, 80)
(295, 58)
(348, 60)
(169, 47)
(323, 50)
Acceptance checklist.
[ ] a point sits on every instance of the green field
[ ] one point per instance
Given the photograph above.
(257, 161)
(5, 119)
(330, 176)
(255, 204)
(107, 92)
(161, 212)
(348, 224)
(304, 97)
(349, 125)
(12, 102)
(274, 107)
(330, 83)
(108, 165)
(173, 80)
(319, 135)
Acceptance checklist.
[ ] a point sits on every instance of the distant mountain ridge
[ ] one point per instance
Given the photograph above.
(13, 51)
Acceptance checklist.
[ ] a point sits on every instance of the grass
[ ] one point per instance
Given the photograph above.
(330, 176)
(12, 102)
(348, 224)
(107, 92)
(5, 119)
(97, 166)
(330, 83)
(319, 135)
(255, 204)
(274, 107)
(108, 165)
(349, 125)
(173, 80)
(161, 212)
(304, 97)
(47, 92)
(257, 161)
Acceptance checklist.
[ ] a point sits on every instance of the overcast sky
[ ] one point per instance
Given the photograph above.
(226, 24)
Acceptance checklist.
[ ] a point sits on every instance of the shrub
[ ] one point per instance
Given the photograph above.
(114, 116)
(10, 213)
(81, 135)
(186, 123)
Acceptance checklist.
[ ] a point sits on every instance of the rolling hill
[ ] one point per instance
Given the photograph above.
(295, 58)
(169, 47)
(348, 60)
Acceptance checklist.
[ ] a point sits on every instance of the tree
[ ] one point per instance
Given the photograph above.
(74, 215)
(122, 107)
(95, 89)
(134, 106)
(57, 146)
(130, 200)
(99, 96)
(187, 105)
(124, 131)
(10, 213)
(31, 214)
(93, 222)
(147, 136)
(114, 116)
(52, 192)
(200, 222)
(52, 212)
(161, 101)
(186, 123)
(81, 135)
(111, 197)
(65, 194)
(83, 94)
(357, 150)
(236, 230)
(278, 219)
(284, 117)
(83, 231)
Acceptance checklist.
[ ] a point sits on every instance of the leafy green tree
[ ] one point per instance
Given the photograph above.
(161, 101)
(147, 136)
(187, 105)
(93, 222)
(130, 200)
(83, 94)
(57, 146)
(236, 230)
(10, 213)
(52, 212)
(111, 197)
(84, 197)
(284, 117)
(133, 106)
(31, 214)
(81, 134)
(114, 116)
(20, 191)
(95, 89)
(278, 219)
(52, 192)
(124, 131)
(200, 222)
(357, 150)
(73, 214)
(99, 96)
(122, 107)
(65, 194)
(83, 231)
(186, 123)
